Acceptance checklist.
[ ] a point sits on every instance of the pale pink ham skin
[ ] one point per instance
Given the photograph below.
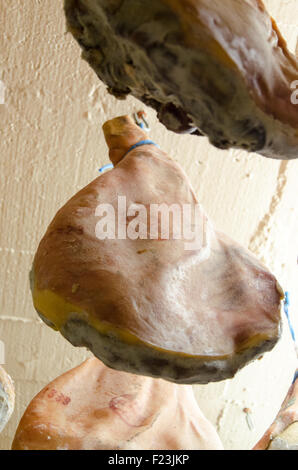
(7, 398)
(93, 407)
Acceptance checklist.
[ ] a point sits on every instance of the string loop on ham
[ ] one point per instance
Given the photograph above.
(138, 144)
(286, 310)
(142, 122)
(106, 167)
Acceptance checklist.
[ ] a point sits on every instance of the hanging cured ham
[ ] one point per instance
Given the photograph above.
(216, 68)
(283, 433)
(151, 301)
(93, 407)
(7, 398)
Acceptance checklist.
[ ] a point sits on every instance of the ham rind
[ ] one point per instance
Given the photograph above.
(214, 68)
(93, 407)
(283, 432)
(7, 398)
(157, 307)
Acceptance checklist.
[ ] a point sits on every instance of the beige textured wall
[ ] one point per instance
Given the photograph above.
(51, 145)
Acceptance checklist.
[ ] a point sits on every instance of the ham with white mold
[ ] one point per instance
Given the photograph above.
(7, 398)
(216, 68)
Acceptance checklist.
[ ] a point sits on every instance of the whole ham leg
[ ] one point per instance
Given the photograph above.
(93, 407)
(283, 433)
(217, 68)
(7, 398)
(189, 306)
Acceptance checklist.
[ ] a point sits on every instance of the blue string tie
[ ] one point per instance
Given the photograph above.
(143, 124)
(139, 144)
(286, 310)
(106, 167)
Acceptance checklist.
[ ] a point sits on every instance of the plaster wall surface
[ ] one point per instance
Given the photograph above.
(51, 145)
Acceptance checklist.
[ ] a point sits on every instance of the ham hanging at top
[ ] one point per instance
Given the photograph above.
(215, 68)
